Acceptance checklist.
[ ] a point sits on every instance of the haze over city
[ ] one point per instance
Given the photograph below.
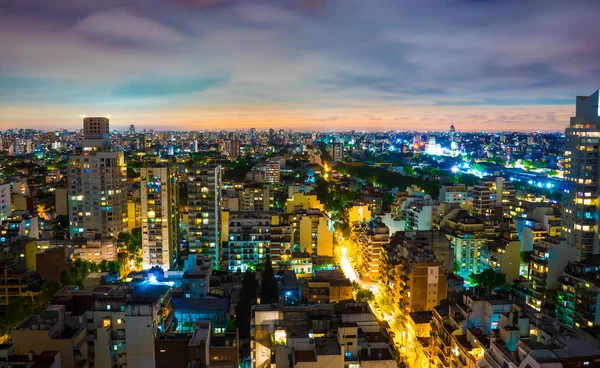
(296, 64)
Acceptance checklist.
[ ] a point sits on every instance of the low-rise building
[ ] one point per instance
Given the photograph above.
(202, 347)
(502, 255)
(326, 288)
(53, 330)
(299, 336)
(121, 322)
(10, 359)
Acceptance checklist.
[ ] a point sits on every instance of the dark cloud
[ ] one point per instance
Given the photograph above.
(315, 54)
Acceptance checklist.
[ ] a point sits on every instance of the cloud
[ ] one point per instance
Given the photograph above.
(201, 3)
(153, 86)
(121, 24)
(305, 59)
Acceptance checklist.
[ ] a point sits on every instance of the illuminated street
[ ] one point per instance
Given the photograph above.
(402, 343)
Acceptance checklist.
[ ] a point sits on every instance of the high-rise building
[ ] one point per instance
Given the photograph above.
(204, 211)
(97, 183)
(492, 197)
(234, 148)
(249, 239)
(338, 152)
(272, 171)
(453, 144)
(256, 198)
(160, 223)
(582, 171)
(5, 204)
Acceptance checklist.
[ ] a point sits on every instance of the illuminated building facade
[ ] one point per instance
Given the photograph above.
(492, 195)
(97, 183)
(160, 223)
(249, 239)
(581, 204)
(204, 211)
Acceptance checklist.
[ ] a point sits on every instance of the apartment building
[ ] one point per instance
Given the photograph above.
(370, 239)
(492, 197)
(249, 240)
(53, 330)
(549, 258)
(578, 294)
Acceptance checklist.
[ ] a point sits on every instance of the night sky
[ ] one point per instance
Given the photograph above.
(297, 64)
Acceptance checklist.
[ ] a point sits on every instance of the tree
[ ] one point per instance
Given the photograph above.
(489, 279)
(63, 221)
(131, 243)
(527, 257)
(270, 286)
(123, 239)
(361, 294)
(246, 301)
(364, 296)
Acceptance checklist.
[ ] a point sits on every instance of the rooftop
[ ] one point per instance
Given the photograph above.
(378, 353)
(327, 346)
(421, 317)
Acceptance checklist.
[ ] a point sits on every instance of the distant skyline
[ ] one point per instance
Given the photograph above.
(297, 64)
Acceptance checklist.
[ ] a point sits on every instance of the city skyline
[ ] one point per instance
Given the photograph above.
(300, 65)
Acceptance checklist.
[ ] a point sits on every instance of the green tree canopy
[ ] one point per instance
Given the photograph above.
(245, 303)
(489, 279)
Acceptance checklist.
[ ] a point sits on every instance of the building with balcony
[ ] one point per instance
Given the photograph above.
(468, 235)
(310, 231)
(97, 183)
(410, 274)
(257, 197)
(121, 322)
(159, 215)
(502, 255)
(15, 282)
(460, 330)
(370, 239)
(204, 211)
(578, 294)
(581, 171)
(249, 240)
(549, 258)
(521, 340)
(300, 200)
(281, 244)
(492, 197)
